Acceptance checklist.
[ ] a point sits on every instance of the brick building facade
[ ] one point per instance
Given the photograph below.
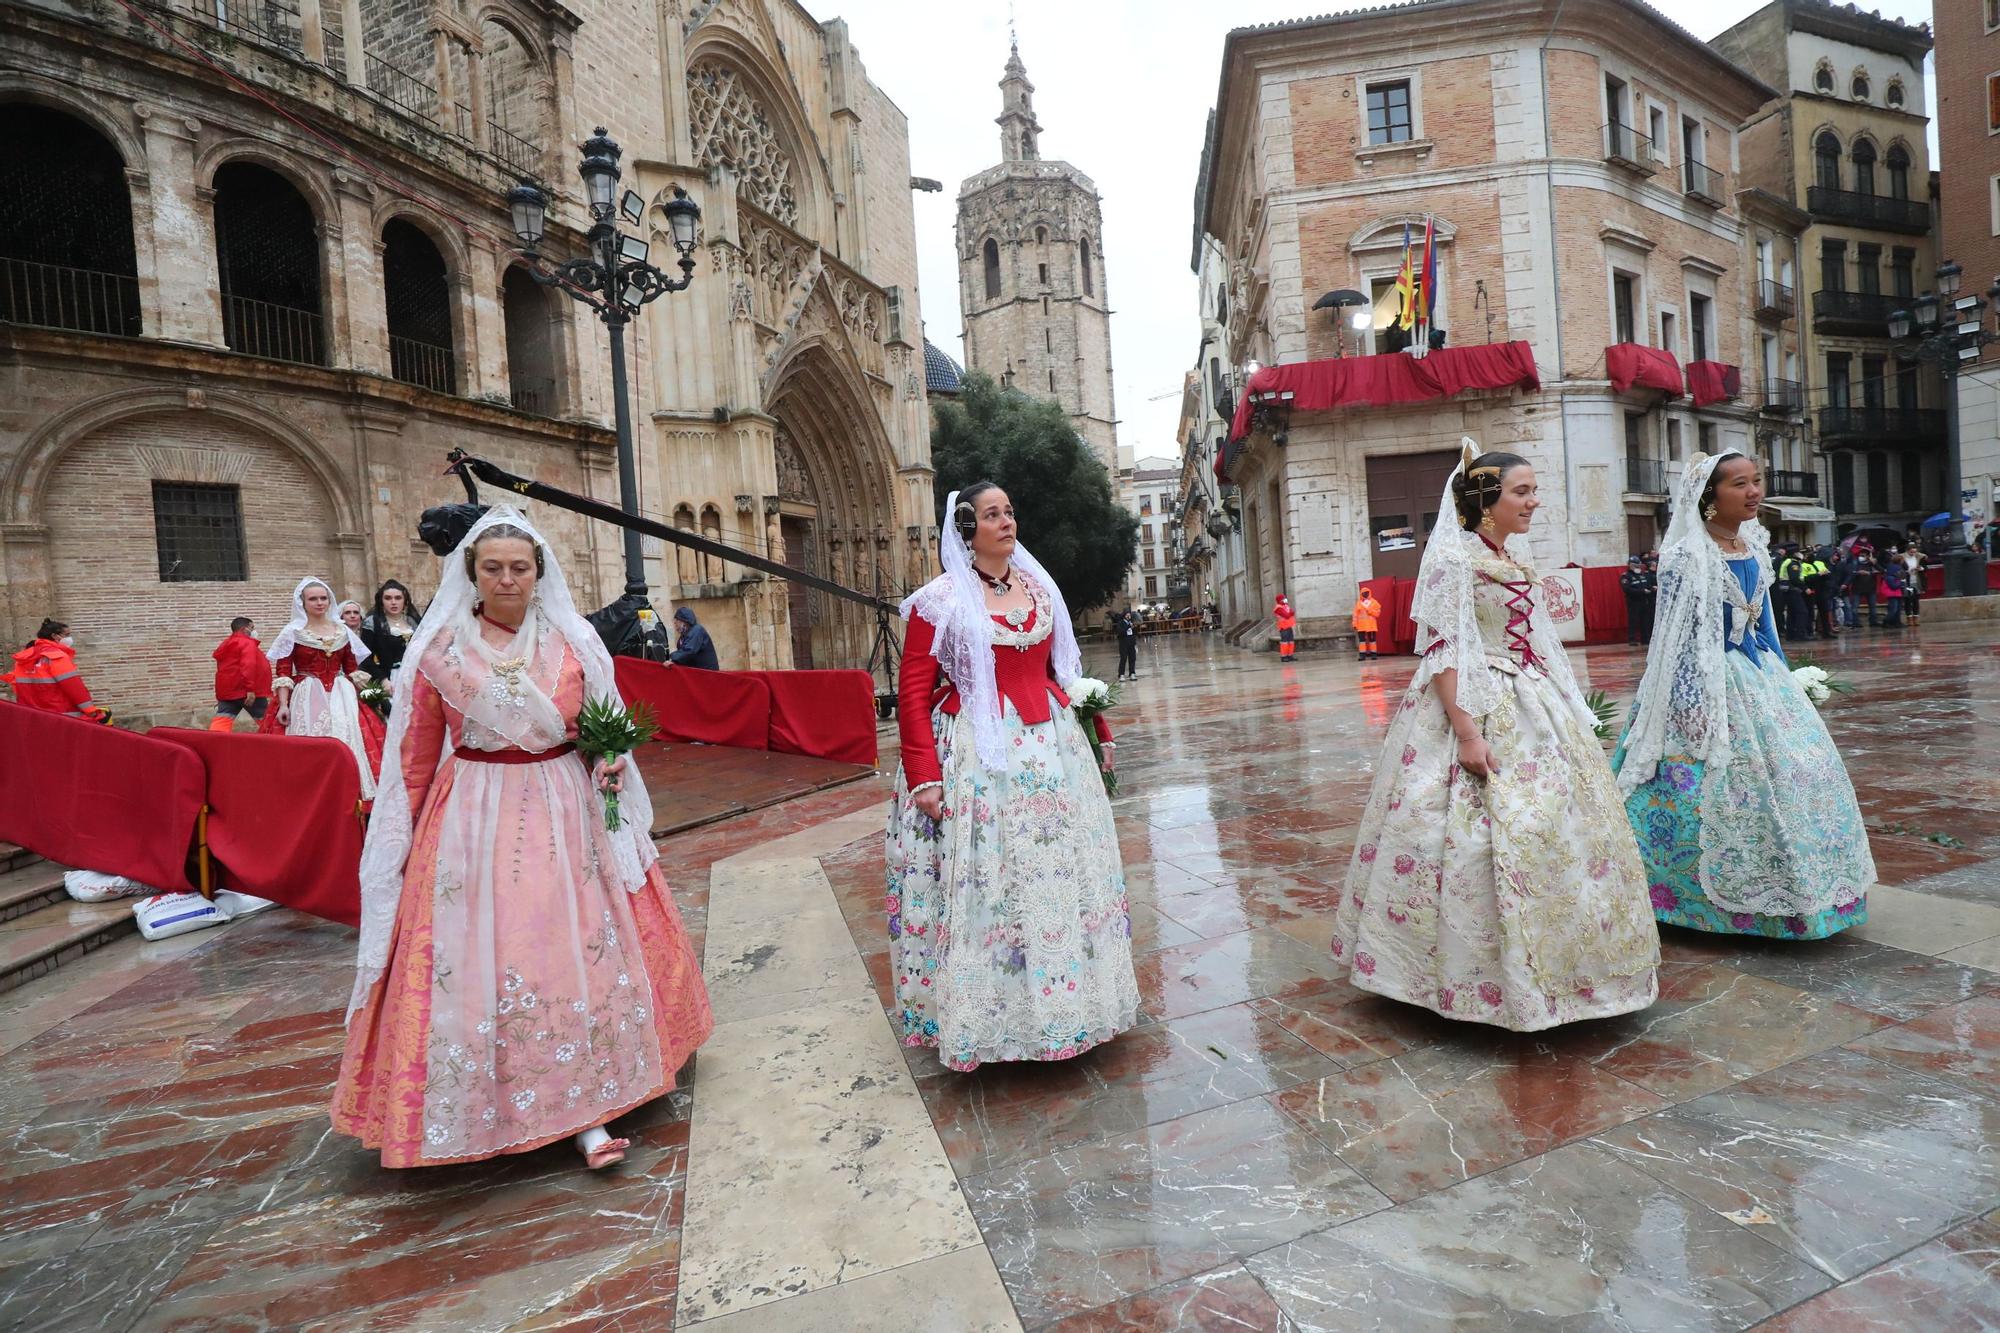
(1845, 142)
(259, 278)
(1526, 132)
(1031, 275)
(1968, 110)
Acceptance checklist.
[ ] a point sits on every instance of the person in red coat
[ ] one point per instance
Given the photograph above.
(46, 677)
(242, 676)
(1009, 929)
(1288, 620)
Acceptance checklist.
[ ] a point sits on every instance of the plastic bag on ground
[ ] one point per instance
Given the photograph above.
(165, 915)
(91, 886)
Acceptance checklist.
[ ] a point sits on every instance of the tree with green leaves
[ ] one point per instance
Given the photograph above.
(1062, 495)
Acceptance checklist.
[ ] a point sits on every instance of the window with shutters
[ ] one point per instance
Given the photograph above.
(198, 530)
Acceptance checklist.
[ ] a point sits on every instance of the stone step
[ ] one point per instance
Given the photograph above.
(37, 942)
(30, 888)
(14, 858)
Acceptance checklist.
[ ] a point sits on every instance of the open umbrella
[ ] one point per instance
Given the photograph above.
(1936, 521)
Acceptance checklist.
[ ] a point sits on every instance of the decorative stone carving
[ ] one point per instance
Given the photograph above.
(730, 129)
(794, 482)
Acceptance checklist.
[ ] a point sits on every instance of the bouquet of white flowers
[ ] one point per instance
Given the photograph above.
(1088, 697)
(1817, 683)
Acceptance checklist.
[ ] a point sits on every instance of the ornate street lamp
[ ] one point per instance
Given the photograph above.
(1946, 330)
(615, 280)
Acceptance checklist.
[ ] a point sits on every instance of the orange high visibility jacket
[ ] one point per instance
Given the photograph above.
(45, 676)
(1367, 614)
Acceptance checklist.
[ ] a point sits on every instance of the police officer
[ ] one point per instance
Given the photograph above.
(1633, 583)
(1818, 611)
(1784, 575)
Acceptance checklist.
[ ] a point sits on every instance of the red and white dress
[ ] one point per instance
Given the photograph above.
(1010, 934)
(324, 701)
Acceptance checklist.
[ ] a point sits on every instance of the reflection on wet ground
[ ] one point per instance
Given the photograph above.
(1806, 1134)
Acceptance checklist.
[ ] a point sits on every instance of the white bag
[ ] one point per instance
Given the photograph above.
(165, 915)
(90, 886)
(234, 904)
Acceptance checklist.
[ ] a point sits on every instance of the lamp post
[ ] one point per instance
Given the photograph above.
(613, 279)
(1946, 330)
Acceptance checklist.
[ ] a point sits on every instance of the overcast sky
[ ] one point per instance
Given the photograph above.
(1122, 90)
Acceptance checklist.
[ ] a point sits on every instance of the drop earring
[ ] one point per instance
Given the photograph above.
(1709, 513)
(1486, 521)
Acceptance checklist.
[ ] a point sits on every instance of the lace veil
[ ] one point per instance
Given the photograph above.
(1680, 709)
(289, 635)
(390, 828)
(954, 603)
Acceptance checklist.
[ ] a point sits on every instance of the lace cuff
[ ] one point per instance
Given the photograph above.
(921, 786)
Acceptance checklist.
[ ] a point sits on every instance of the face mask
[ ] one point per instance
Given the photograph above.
(67, 641)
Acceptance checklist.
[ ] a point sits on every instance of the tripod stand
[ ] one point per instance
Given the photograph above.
(886, 652)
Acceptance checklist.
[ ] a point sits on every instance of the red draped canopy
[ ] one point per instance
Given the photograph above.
(1636, 363)
(1713, 382)
(1394, 377)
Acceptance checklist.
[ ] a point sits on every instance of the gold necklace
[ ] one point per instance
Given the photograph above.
(1732, 543)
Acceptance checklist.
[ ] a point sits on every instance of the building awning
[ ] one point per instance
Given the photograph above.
(1797, 511)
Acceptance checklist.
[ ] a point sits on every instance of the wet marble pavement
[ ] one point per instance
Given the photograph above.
(1799, 1137)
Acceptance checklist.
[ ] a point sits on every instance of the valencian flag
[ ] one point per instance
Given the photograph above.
(1405, 289)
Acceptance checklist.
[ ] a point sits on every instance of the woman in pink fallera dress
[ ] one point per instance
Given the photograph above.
(523, 974)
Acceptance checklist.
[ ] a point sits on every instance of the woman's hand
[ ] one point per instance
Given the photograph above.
(1475, 758)
(930, 801)
(611, 774)
(285, 709)
(1109, 753)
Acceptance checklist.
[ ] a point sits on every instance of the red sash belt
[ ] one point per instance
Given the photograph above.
(514, 756)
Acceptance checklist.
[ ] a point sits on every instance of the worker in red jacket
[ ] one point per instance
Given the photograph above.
(242, 676)
(45, 676)
(1281, 611)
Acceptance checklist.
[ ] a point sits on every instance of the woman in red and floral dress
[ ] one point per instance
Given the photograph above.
(1009, 930)
(316, 663)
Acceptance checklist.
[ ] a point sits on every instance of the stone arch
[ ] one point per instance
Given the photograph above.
(1387, 229)
(308, 176)
(20, 86)
(450, 241)
(771, 92)
(26, 480)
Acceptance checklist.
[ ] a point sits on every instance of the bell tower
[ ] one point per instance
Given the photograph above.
(1032, 274)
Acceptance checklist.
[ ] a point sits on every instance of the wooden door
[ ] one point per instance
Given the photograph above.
(798, 535)
(1403, 492)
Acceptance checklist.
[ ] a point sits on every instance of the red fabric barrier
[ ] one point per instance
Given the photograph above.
(713, 707)
(1636, 363)
(825, 714)
(1604, 618)
(1713, 382)
(98, 798)
(1394, 377)
(1398, 634)
(283, 821)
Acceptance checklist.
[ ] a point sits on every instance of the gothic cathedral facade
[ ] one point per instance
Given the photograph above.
(1032, 274)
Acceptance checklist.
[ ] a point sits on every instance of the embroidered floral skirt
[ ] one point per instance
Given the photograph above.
(1791, 850)
(1518, 900)
(1009, 932)
(526, 997)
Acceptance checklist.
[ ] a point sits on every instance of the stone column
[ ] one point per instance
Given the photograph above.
(173, 221)
(484, 349)
(353, 43)
(447, 111)
(356, 313)
(312, 32)
(475, 96)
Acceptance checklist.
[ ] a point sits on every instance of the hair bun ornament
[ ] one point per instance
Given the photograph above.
(1468, 452)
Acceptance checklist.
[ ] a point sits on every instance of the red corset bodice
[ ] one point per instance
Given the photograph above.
(304, 660)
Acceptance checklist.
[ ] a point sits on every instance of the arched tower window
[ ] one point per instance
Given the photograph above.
(531, 362)
(1898, 163)
(1864, 167)
(1823, 77)
(66, 255)
(1826, 161)
(1083, 264)
(416, 291)
(1894, 93)
(1860, 86)
(267, 253)
(513, 106)
(992, 268)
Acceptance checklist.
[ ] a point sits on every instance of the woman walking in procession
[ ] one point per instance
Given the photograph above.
(1009, 931)
(316, 664)
(388, 629)
(523, 974)
(1494, 877)
(1743, 810)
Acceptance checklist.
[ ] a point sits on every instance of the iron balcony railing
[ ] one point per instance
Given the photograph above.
(1628, 147)
(533, 395)
(1869, 210)
(414, 361)
(1775, 300)
(1866, 310)
(522, 156)
(1787, 397)
(281, 332)
(1703, 182)
(404, 89)
(56, 297)
(1792, 485)
(1645, 476)
(268, 21)
(1905, 424)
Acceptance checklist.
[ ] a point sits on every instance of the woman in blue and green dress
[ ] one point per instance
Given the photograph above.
(1741, 806)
